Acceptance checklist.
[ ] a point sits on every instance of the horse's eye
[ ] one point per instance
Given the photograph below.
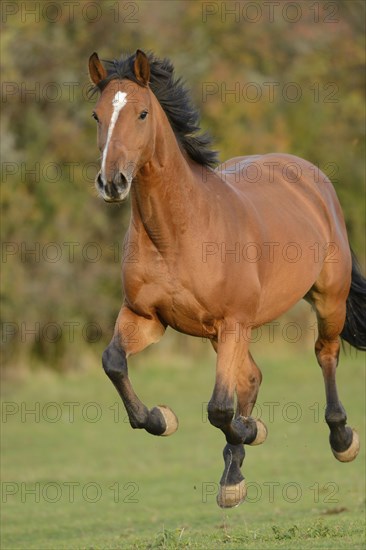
(143, 115)
(95, 116)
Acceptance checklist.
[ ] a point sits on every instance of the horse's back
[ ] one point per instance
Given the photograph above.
(303, 237)
(286, 188)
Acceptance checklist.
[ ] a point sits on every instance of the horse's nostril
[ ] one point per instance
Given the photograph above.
(100, 181)
(123, 180)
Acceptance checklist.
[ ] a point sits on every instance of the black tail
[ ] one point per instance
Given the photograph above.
(354, 330)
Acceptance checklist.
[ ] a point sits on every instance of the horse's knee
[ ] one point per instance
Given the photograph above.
(220, 416)
(114, 361)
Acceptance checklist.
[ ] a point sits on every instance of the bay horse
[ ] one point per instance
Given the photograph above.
(191, 224)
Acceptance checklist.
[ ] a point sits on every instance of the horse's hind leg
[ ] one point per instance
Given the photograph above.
(331, 312)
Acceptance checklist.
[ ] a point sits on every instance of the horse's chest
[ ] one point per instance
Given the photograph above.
(154, 288)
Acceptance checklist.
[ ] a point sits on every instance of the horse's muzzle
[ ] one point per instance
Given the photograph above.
(115, 190)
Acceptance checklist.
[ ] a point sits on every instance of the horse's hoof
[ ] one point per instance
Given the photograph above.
(170, 419)
(230, 496)
(349, 454)
(261, 433)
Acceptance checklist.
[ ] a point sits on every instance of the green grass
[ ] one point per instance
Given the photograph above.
(79, 484)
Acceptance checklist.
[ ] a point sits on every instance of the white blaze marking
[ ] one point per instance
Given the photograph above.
(118, 102)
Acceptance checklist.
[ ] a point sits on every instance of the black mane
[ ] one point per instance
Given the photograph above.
(174, 99)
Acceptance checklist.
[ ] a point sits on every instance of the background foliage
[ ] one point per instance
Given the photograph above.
(56, 303)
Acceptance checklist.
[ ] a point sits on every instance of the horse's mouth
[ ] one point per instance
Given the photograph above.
(115, 196)
(117, 199)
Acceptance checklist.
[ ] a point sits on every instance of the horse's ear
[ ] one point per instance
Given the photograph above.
(96, 70)
(141, 68)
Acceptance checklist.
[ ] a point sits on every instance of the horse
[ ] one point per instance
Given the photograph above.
(219, 254)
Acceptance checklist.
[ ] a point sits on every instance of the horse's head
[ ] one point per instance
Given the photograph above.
(125, 126)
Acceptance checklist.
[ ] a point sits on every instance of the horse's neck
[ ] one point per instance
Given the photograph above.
(162, 197)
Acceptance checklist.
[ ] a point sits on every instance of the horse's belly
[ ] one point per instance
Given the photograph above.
(184, 313)
(175, 305)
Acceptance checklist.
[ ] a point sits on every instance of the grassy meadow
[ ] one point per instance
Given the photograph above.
(75, 476)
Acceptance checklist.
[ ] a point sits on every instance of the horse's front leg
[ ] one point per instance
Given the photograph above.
(235, 370)
(132, 334)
